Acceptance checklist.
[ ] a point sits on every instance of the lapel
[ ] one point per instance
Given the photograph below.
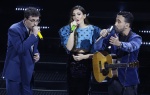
(25, 34)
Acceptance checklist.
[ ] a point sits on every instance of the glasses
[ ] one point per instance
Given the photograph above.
(33, 20)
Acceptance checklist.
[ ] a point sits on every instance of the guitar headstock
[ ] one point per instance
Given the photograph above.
(134, 64)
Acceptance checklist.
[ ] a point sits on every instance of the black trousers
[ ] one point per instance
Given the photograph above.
(116, 88)
(78, 76)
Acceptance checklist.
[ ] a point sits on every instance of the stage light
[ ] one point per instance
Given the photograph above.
(44, 27)
(144, 31)
(22, 8)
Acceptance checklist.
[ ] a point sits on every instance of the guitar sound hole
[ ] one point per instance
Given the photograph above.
(105, 72)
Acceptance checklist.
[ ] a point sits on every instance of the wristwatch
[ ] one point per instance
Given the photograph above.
(120, 45)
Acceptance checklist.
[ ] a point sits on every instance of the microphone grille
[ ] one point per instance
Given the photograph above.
(109, 29)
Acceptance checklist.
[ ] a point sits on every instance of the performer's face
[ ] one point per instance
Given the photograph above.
(120, 24)
(78, 16)
(31, 22)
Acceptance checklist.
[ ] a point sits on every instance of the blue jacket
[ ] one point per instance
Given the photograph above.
(127, 76)
(19, 63)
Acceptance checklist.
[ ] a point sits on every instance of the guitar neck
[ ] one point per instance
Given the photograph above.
(116, 65)
(122, 65)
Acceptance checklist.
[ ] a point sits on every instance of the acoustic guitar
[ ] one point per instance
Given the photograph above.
(104, 66)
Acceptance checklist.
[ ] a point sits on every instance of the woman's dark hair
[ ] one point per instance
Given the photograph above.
(31, 11)
(128, 16)
(82, 10)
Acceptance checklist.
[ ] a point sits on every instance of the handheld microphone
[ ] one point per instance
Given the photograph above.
(73, 26)
(109, 30)
(40, 35)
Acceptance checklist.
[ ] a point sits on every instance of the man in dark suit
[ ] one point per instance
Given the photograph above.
(22, 53)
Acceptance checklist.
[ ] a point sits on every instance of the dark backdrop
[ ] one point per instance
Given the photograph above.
(55, 14)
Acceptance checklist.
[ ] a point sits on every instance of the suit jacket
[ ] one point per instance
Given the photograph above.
(19, 62)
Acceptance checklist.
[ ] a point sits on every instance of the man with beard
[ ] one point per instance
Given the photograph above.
(125, 44)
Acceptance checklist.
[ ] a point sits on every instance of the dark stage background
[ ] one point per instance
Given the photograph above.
(50, 71)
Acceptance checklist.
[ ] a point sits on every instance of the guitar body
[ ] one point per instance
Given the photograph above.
(111, 72)
(99, 71)
(104, 65)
